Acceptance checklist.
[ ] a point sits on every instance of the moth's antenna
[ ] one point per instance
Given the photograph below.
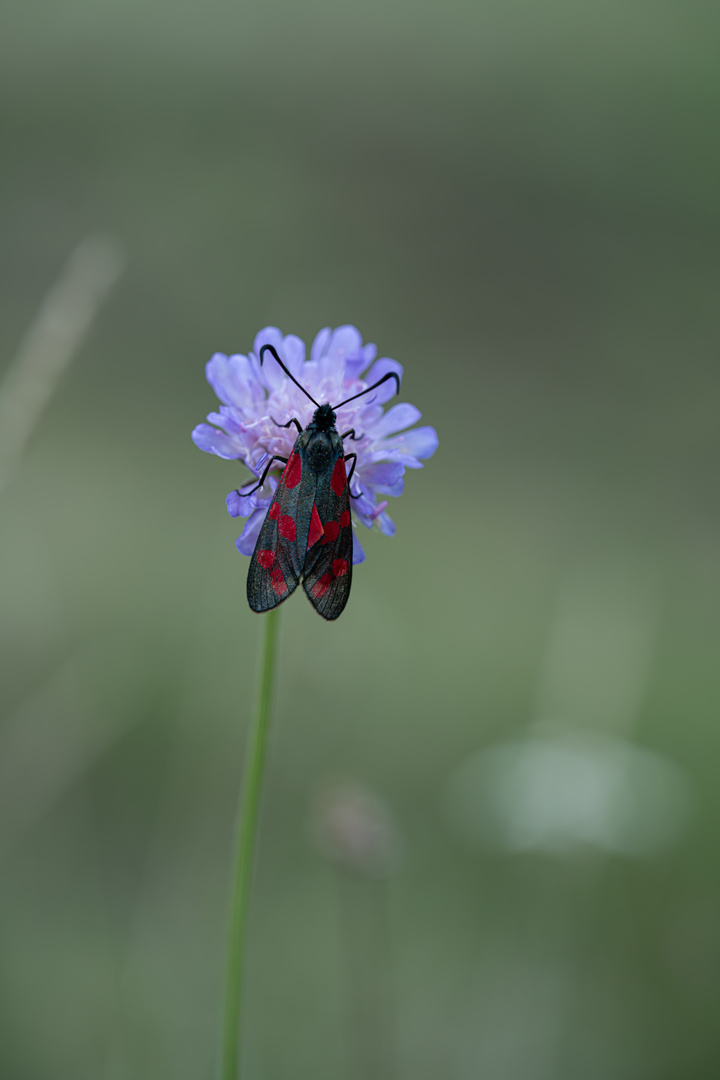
(271, 348)
(390, 375)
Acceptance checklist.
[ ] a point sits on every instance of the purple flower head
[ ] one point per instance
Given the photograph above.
(340, 366)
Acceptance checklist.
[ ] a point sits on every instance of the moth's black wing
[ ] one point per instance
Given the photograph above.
(327, 574)
(279, 555)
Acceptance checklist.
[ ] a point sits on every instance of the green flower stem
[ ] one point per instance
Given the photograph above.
(231, 1064)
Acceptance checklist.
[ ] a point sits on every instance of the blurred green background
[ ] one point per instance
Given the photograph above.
(519, 202)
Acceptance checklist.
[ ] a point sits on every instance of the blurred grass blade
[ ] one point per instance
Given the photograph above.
(51, 342)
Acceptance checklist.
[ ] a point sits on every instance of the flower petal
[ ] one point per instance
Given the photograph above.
(383, 472)
(363, 507)
(395, 419)
(386, 523)
(239, 505)
(395, 489)
(385, 477)
(245, 500)
(227, 419)
(233, 504)
(217, 442)
(358, 553)
(245, 543)
(294, 354)
(246, 372)
(233, 380)
(376, 372)
(319, 345)
(271, 374)
(345, 341)
(420, 443)
(356, 362)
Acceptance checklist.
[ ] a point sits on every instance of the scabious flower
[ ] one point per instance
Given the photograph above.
(253, 397)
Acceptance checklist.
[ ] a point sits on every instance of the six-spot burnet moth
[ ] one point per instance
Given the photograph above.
(307, 533)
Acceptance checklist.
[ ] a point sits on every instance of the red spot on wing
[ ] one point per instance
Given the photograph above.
(278, 581)
(266, 559)
(293, 471)
(274, 512)
(322, 585)
(286, 527)
(316, 527)
(332, 530)
(344, 519)
(339, 477)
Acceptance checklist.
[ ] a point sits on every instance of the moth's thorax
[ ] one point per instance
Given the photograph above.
(323, 418)
(320, 440)
(321, 448)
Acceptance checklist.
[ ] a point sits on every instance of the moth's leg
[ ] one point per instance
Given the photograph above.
(294, 421)
(351, 435)
(352, 470)
(275, 457)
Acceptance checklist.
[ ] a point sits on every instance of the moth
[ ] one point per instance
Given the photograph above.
(307, 533)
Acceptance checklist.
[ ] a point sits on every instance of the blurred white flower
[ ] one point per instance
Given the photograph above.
(559, 794)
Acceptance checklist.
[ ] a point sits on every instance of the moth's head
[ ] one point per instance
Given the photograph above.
(324, 417)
